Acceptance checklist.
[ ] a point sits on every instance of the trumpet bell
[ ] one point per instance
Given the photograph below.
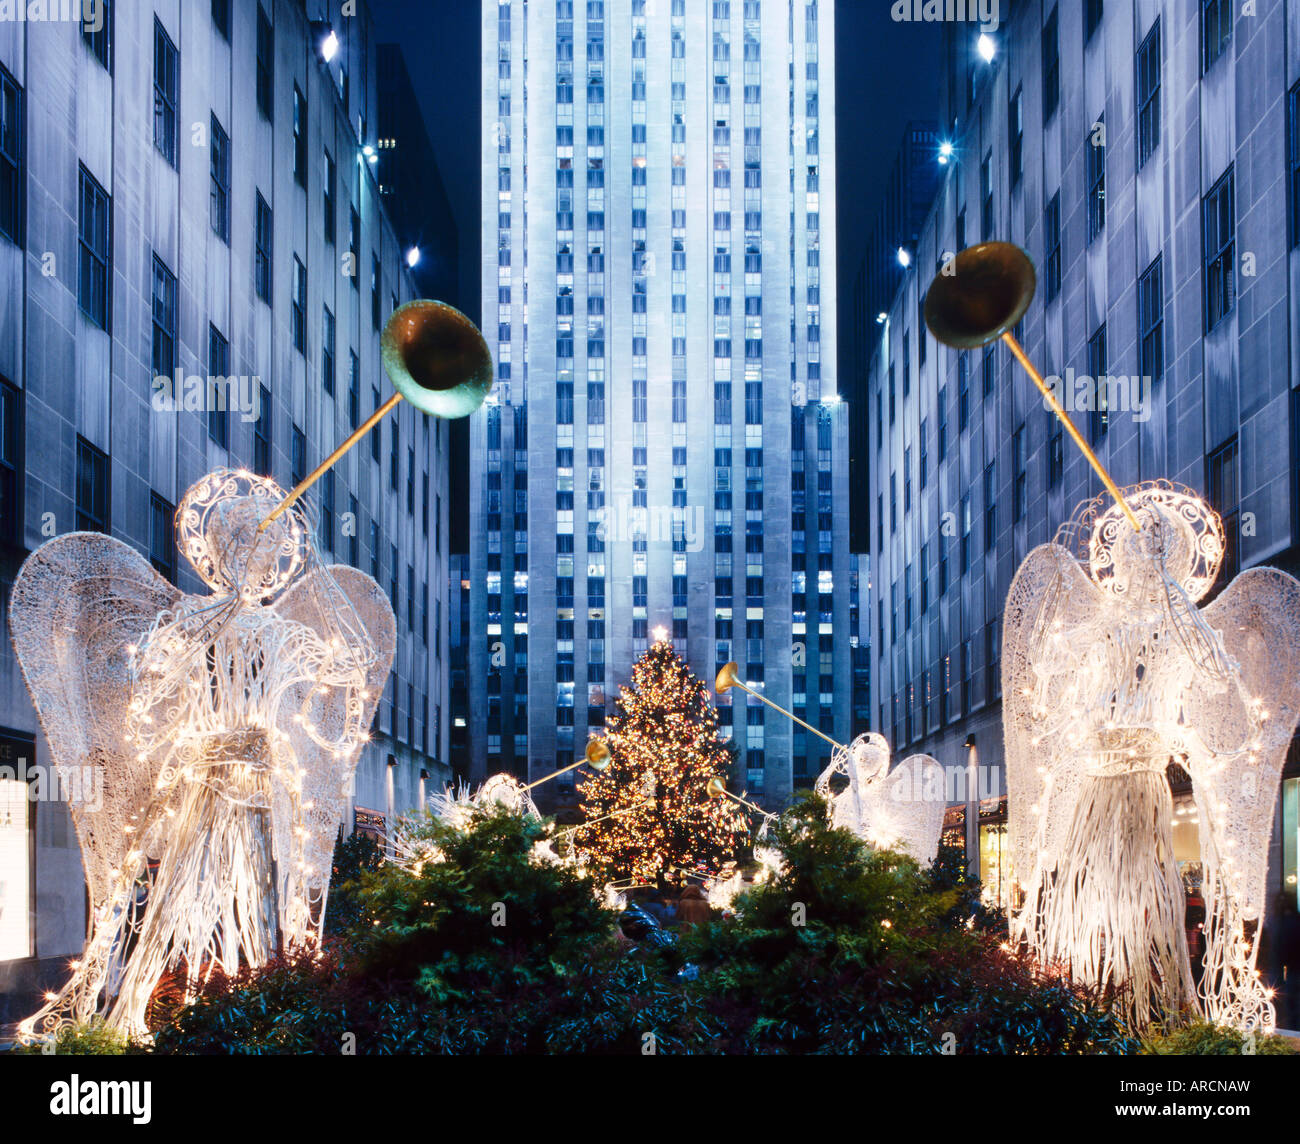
(727, 678)
(597, 754)
(980, 295)
(715, 788)
(437, 359)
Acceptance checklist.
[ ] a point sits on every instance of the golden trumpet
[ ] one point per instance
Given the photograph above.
(977, 298)
(716, 788)
(436, 359)
(727, 679)
(597, 757)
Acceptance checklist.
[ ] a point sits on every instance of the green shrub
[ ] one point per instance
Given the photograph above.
(483, 949)
(1205, 1039)
(90, 1039)
(851, 949)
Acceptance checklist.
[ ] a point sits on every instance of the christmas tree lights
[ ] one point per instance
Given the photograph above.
(656, 816)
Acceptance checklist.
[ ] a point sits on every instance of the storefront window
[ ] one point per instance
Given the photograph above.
(995, 854)
(1290, 836)
(15, 870)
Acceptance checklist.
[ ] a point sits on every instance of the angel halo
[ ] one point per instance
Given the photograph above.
(225, 728)
(1110, 674)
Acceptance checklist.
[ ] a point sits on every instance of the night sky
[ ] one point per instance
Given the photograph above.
(884, 78)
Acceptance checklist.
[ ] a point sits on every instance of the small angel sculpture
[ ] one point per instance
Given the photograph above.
(899, 809)
(227, 729)
(1110, 673)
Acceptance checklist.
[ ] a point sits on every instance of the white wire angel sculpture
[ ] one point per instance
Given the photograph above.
(1110, 673)
(900, 809)
(227, 729)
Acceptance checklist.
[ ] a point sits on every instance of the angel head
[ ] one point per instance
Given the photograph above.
(870, 756)
(1181, 540)
(217, 525)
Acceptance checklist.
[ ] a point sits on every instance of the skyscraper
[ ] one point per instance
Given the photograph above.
(666, 448)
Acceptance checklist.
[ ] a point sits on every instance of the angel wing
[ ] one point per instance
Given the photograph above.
(79, 602)
(1241, 736)
(1050, 597)
(905, 808)
(343, 606)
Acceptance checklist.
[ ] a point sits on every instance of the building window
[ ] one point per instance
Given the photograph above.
(11, 425)
(374, 290)
(164, 319)
(220, 190)
(299, 137)
(1019, 461)
(327, 510)
(99, 35)
(1051, 68)
(963, 392)
(1216, 30)
(92, 488)
(327, 352)
(93, 234)
(1091, 18)
(986, 197)
(1055, 450)
(327, 197)
(394, 456)
(218, 393)
(1293, 164)
(354, 248)
(265, 65)
(1224, 494)
(990, 506)
(262, 258)
(354, 390)
(262, 433)
(376, 435)
(1099, 411)
(12, 175)
(965, 533)
(1151, 321)
(164, 93)
(221, 17)
(1148, 94)
(1219, 240)
(1097, 178)
(162, 542)
(354, 536)
(1053, 246)
(298, 317)
(298, 458)
(1016, 135)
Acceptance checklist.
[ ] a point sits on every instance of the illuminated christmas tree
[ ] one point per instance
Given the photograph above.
(649, 815)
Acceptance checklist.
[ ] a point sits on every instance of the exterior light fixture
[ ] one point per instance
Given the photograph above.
(881, 318)
(945, 153)
(904, 257)
(987, 47)
(413, 256)
(329, 46)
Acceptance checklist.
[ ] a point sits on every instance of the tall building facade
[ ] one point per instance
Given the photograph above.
(666, 449)
(1146, 157)
(905, 203)
(193, 198)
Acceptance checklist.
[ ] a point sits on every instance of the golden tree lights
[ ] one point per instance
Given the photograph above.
(656, 814)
